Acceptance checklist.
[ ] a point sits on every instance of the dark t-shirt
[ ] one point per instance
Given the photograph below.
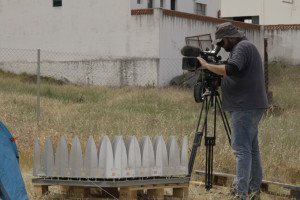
(246, 89)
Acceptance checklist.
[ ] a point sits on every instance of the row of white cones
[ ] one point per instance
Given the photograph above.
(131, 159)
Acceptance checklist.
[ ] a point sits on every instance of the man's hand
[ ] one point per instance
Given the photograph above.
(217, 69)
(203, 63)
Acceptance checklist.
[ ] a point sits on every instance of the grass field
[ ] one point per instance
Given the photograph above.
(92, 110)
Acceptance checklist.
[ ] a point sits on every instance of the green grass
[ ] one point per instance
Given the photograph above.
(93, 110)
(281, 135)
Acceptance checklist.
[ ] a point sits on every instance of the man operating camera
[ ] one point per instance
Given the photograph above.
(244, 96)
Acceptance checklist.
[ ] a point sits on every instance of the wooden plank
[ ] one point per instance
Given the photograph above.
(177, 185)
(79, 192)
(64, 189)
(181, 192)
(40, 190)
(126, 193)
(147, 187)
(216, 173)
(155, 193)
(198, 183)
(222, 178)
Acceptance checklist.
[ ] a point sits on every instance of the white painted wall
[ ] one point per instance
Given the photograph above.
(235, 8)
(283, 46)
(93, 27)
(269, 11)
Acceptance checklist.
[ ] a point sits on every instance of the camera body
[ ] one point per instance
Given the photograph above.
(207, 81)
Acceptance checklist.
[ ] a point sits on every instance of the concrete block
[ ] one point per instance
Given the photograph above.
(76, 160)
(36, 158)
(47, 163)
(173, 155)
(147, 156)
(120, 158)
(184, 157)
(105, 158)
(61, 159)
(161, 156)
(90, 160)
(133, 155)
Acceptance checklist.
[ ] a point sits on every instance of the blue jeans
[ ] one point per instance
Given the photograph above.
(244, 143)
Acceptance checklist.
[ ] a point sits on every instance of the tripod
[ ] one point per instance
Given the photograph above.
(210, 98)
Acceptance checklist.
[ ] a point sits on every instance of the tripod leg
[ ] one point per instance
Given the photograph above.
(196, 144)
(198, 135)
(209, 143)
(224, 119)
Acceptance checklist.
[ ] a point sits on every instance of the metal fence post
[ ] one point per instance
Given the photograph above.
(38, 86)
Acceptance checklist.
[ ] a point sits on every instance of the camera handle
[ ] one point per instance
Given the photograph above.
(210, 99)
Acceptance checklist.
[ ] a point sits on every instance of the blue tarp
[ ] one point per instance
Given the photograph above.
(12, 186)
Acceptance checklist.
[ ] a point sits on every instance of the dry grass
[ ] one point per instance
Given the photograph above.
(89, 110)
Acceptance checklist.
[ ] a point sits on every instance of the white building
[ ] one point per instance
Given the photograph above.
(202, 7)
(263, 12)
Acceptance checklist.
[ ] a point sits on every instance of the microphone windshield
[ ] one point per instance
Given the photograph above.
(190, 51)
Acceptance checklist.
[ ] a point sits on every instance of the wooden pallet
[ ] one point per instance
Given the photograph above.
(222, 179)
(155, 191)
(123, 193)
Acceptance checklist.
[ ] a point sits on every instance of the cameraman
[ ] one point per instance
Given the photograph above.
(244, 96)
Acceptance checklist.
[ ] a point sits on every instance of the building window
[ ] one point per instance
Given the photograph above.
(139, 1)
(287, 1)
(57, 3)
(150, 4)
(161, 3)
(173, 4)
(249, 21)
(200, 9)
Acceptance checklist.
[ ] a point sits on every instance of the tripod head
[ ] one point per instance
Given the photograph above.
(206, 84)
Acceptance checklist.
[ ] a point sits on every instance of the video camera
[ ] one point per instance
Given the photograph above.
(207, 79)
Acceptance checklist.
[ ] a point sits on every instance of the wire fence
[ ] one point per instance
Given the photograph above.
(81, 69)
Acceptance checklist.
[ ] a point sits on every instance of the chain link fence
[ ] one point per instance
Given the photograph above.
(81, 69)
